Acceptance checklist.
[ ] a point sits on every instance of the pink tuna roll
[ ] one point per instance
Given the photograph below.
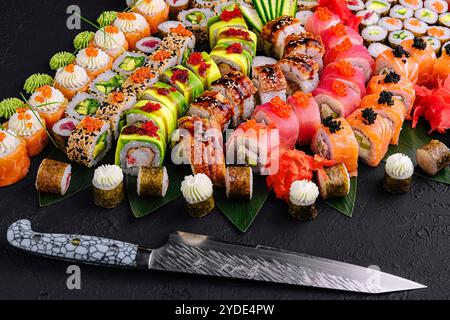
(308, 115)
(335, 35)
(321, 20)
(346, 72)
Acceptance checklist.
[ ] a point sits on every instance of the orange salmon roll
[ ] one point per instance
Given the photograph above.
(134, 26)
(50, 103)
(424, 53)
(94, 60)
(72, 79)
(14, 160)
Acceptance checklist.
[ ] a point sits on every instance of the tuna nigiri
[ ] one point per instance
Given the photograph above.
(335, 35)
(346, 72)
(424, 53)
(400, 61)
(442, 65)
(373, 134)
(322, 19)
(14, 161)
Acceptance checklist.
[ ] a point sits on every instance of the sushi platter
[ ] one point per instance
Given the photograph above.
(223, 103)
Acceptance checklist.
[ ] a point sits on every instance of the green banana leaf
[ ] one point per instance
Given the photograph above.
(346, 204)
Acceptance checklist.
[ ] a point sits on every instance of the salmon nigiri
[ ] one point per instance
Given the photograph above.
(387, 106)
(424, 53)
(398, 60)
(14, 160)
(442, 65)
(373, 134)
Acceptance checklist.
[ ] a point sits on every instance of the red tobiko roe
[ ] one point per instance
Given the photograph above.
(150, 129)
(151, 106)
(235, 48)
(165, 92)
(180, 75)
(228, 15)
(235, 32)
(203, 68)
(195, 59)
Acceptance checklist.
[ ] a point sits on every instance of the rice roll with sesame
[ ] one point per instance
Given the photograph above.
(83, 105)
(380, 7)
(395, 38)
(62, 131)
(398, 174)
(204, 68)
(129, 62)
(109, 190)
(303, 195)
(417, 27)
(373, 34)
(148, 44)
(89, 142)
(333, 182)
(197, 191)
(239, 183)
(433, 157)
(375, 49)
(106, 83)
(444, 19)
(439, 6)
(210, 4)
(434, 42)
(166, 95)
(53, 177)
(196, 21)
(142, 79)
(412, 4)
(401, 12)
(441, 33)
(426, 15)
(391, 24)
(163, 59)
(152, 182)
(185, 81)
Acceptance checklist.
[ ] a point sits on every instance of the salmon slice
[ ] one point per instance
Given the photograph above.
(14, 166)
(53, 117)
(442, 66)
(400, 61)
(424, 53)
(134, 37)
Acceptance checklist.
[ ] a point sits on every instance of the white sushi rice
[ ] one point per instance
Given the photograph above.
(355, 5)
(391, 24)
(150, 162)
(410, 5)
(444, 19)
(431, 4)
(381, 7)
(416, 26)
(105, 76)
(164, 28)
(372, 34)
(116, 66)
(76, 100)
(395, 38)
(434, 42)
(64, 132)
(401, 12)
(142, 47)
(426, 15)
(444, 37)
(375, 49)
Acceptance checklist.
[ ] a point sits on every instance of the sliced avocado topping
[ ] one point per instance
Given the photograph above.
(196, 17)
(87, 107)
(100, 146)
(109, 86)
(402, 11)
(132, 63)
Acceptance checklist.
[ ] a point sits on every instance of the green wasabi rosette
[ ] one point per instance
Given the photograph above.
(61, 59)
(9, 106)
(83, 39)
(36, 81)
(106, 18)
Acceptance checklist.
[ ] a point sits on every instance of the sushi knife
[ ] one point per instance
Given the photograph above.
(196, 254)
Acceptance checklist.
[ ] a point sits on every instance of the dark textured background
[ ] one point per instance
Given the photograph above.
(405, 235)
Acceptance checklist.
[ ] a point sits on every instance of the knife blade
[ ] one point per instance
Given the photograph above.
(197, 254)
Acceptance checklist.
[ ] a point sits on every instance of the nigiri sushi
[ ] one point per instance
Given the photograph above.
(14, 160)
(400, 61)
(346, 72)
(321, 20)
(424, 53)
(50, 103)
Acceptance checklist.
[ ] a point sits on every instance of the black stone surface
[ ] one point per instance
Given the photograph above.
(405, 235)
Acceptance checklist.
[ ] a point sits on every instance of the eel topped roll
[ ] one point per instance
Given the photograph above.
(301, 72)
(14, 160)
(89, 142)
(167, 95)
(305, 43)
(50, 103)
(335, 140)
(270, 81)
(53, 177)
(134, 26)
(333, 182)
(204, 68)
(107, 183)
(433, 157)
(152, 182)
(185, 81)
(400, 61)
(198, 191)
(62, 131)
(239, 182)
(398, 174)
(303, 195)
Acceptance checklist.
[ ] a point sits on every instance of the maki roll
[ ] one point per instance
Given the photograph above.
(439, 6)
(344, 71)
(62, 131)
(400, 61)
(335, 35)
(375, 49)
(441, 33)
(401, 12)
(231, 57)
(140, 145)
(89, 142)
(152, 182)
(444, 19)
(303, 195)
(210, 4)
(412, 4)
(307, 44)
(248, 40)
(185, 81)
(239, 183)
(166, 95)
(196, 21)
(391, 24)
(129, 62)
(368, 18)
(301, 72)
(181, 41)
(82, 105)
(198, 195)
(333, 182)
(204, 68)
(142, 79)
(53, 177)
(106, 83)
(71, 79)
(148, 44)
(176, 6)
(373, 34)
(50, 103)
(398, 174)
(355, 5)
(433, 157)
(111, 40)
(164, 28)
(321, 20)
(417, 27)
(395, 38)
(134, 26)
(29, 126)
(14, 160)
(225, 19)
(426, 15)
(442, 65)
(304, 15)
(108, 187)
(380, 7)
(307, 5)
(94, 60)
(155, 11)
(270, 82)
(162, 59)
(434, 43)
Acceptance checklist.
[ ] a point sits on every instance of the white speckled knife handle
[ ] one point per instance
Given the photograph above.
(77, 248)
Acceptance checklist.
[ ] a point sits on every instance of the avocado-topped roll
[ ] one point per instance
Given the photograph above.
(89, 142)
(108, 187)
(302, 200)
(152, 182)
(333, 181)
(128, 62)
(204, 68)
(106, 83)
(83, 105)
(198, 194)
(239, 183)
(167, 95)
(232, 57)
(62, 131)
(185, 81)
(225, 19)
(53, 177)
(433, 157)
(229, 35)
(196, 21)
(398, 173)
(140, 145)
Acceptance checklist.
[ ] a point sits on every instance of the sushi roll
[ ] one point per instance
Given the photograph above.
(140, 145)
(368, 18)
(344, 71)
(111, 40)
(439, 6)
(433, 157)
(412, 4)
(164, 28)
(196, 21)
(434, 43)
(307, 44)
(162, 60)
(444, 19)
(210, 4)
(53, 177)
(400, 61)
(442, 66)
(166, 95)
(50, 103)
(141, 79)
(148, 45)
(335, 35)
(380, 7)
(83, 104)
(204, 68)
(303, 195)
(222, 6)
(62, 131)
(395, 38)
(239, 89)
(426, 15)
(417, 27)
(180, 42)
(270, 82)
(14, 160)
(94, 60)
(424, 53)
(335, 140)
(176, 6)
(129, 62)
(391, 24)
(401, 12)
(198, 195)
(260, 61)
(322, 19)
(301, 72)
(398, 174)
(248, 40)
(89, 142)
(106, 83)
(333, 182)
(239, 183)
(303, 16)
(373, 34)
(71, 79)
(155, 11)
(355, 5)
(108, 187)
(226, 19)
(185, 81)
(134, 26)
(29, 126)
(441, 33)
(152, 182)
(375, 49)
(307, 4)
(231, 57)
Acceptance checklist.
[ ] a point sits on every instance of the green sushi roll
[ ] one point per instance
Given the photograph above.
(248, 40)
(167, 95)
(216, 24)
(185, 81)
(204, 68)
(232, 58)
